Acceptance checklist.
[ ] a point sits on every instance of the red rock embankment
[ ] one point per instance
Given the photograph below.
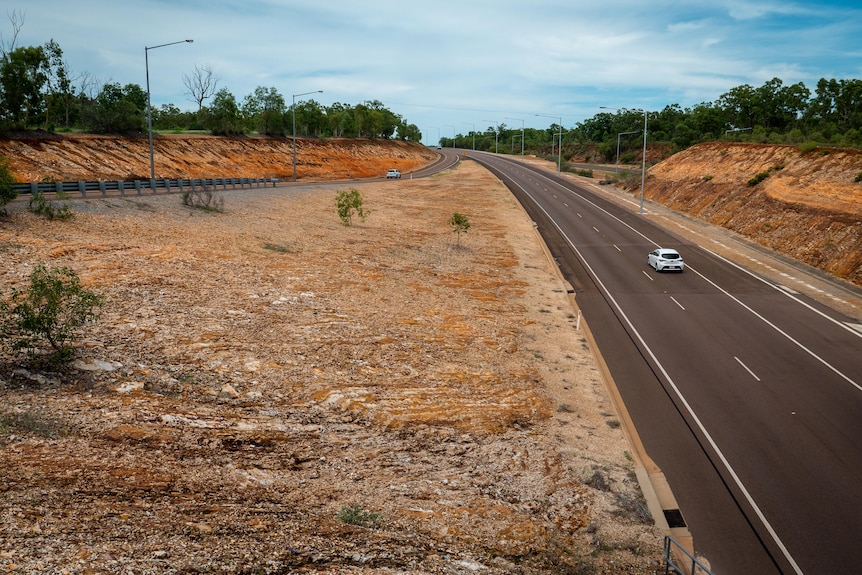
(90, 157)
(807, 205)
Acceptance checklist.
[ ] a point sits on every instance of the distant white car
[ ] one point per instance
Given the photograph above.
(393, 174)
(665, 259)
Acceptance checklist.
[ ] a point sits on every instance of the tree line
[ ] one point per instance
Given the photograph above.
(771, 113)
(37, 91)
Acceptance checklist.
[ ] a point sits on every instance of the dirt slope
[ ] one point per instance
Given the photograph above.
(807, 207)
(88, 157)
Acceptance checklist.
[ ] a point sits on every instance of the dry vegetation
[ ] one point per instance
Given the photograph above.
(268, 391)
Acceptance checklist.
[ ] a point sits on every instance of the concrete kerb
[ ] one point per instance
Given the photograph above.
(653, 483)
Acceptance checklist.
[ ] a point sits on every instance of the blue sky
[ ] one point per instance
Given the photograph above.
(451, 66)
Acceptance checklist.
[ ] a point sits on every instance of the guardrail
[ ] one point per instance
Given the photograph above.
(140, 187)
(674, 557)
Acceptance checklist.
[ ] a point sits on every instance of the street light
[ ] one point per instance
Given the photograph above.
(560, 151)
(643, 160)
(617, 169)
(293, 109)
(453, 133)
(149, 112)
(474, 133)
(513, 140)
(522, 135)
(493, 123)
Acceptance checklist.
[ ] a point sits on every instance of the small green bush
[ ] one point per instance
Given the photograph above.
(460, 224)
(758, 178)
(7, 192)
(354, 515)
(858, 177)
(349, 202)
(39, 205)
(808, 146)
(50, 311)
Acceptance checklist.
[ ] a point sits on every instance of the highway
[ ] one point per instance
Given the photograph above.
(747, 394)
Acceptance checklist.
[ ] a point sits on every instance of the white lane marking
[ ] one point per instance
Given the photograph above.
(698, 423)
(618, 248)
(754, 375)
(649, 277)
(677, 303)
(597, 229)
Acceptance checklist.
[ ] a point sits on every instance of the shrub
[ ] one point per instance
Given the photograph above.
(353, 515)
(7, 192)
(808, 146)
(758, 178)
(460, 224)
(51, 210)
(50, 311)
(203, 199)
(347, 202)
(858, 177)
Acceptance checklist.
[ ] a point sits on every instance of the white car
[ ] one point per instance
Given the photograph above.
(393, 174)
(665, 259)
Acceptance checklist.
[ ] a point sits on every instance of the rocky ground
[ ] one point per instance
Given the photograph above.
(806, 205)
(269, 391)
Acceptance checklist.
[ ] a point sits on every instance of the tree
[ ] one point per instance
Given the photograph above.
(347, 202)
(264, 111)
(201, 84)
(223, 117)
(50, 311)
(23, 74)
(460, 224)
(117, 110)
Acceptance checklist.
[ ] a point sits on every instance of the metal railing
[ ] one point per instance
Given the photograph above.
(140, 187)
(677, 559)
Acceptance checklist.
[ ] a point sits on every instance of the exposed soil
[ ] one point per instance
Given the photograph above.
(258, 372)
(807, 206)
(269, 391)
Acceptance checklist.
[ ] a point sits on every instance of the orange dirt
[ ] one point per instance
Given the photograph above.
(89, 157)
(809, 206)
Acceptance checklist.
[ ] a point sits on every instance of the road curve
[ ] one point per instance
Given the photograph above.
(746, 394)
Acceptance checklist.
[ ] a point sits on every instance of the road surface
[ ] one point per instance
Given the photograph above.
(746, 393)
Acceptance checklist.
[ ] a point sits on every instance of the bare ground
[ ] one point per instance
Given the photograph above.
(263, 378)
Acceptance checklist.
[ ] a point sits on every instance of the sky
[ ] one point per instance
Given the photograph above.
(454, 66)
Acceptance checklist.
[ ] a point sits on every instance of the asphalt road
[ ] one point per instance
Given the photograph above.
(747, 394)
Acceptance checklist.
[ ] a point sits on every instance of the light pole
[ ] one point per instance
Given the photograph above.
(474, 133)
(453, 133)
(617, 169)
(493, 123)
(149, 112)
(293, 109)
(560, 150)
(513, 140)
(643, 160)
(522, 135)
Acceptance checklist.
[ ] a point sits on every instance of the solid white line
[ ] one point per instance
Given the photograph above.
(746, 368)
(698, 423)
